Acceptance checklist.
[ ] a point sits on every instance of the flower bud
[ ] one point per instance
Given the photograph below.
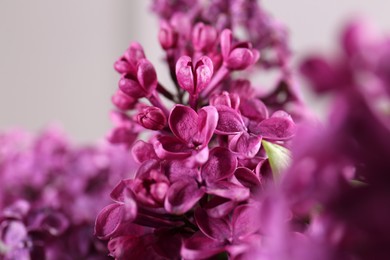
(147, 76)
(237, 57)
(194, 78)
(152, 118)
(123, 101)
(167, 36)
(203, 37)
(226, 99)
(130, 86)
(128, 62)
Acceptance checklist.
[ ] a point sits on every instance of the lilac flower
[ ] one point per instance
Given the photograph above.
(40, 217)
(238, 56)
(194, 78)
(152, 118)
(192, 133)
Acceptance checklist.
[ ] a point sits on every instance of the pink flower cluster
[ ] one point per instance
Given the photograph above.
(51, 193)
(214, 143)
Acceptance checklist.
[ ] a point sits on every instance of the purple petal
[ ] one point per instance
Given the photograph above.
(123, 101)
(143, 151)
(245, 221)
(168, 147)
(108, 220)
(229, 121)
(207, 123)
(220, 165)
(182, 196)
(150, 219)
(134, 53)
(152, 118)
(204, 71)
(184, 74)
(130, 87)
(226, 43)
(245, 145)
(240, 58)
(122, 66)
(200, 246)
(133, 247)
(226, 99)
(218, 207)
(177, 170)
(183, 122)
(146, 75)
(247, 178)
(117, 193)
(253, 109)
(277, 128)
(146, 167)
(215, 228)
(228, 190)
(203, 37)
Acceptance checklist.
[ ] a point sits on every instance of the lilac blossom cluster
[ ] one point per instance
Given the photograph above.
(212, 145)
(51, 193)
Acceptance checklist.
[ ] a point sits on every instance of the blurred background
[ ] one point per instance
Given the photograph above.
(56, 57)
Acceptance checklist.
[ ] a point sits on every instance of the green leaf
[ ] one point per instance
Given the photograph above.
(279, 157)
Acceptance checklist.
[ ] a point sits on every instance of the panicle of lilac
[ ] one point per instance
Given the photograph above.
(203, 164)
(51, 193)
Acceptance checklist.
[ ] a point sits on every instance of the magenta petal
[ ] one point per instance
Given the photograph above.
(183, 122)
(130, 87)
(220, 165)
(276, 128)
(226, 99)
(253, 109)
(133, 247)
(229, 121)
(207, 123)
(182, 196)
(143, 151)
(146, 75)
(117, 194)
(204, 71)
(200, 246)
(226, 43)
(108, 220)
(245, 221)
(215, 228)
(146, 167)
(168, 147)
(123, 101)
(184, 74)
(218, 207)
(245, 145)
(240, 58)
(247, 178)
(177, 170)
(228, 190)
(134, 53)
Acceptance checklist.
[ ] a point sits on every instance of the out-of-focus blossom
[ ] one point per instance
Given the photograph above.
(51, 192)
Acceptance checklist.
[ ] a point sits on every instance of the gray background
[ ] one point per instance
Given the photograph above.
(56, 56)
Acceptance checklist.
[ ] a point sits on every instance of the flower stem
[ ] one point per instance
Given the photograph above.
(215, 81)
(155, 100)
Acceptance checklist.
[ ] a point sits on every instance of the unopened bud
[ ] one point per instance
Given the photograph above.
(152, 118)
(203, 37)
